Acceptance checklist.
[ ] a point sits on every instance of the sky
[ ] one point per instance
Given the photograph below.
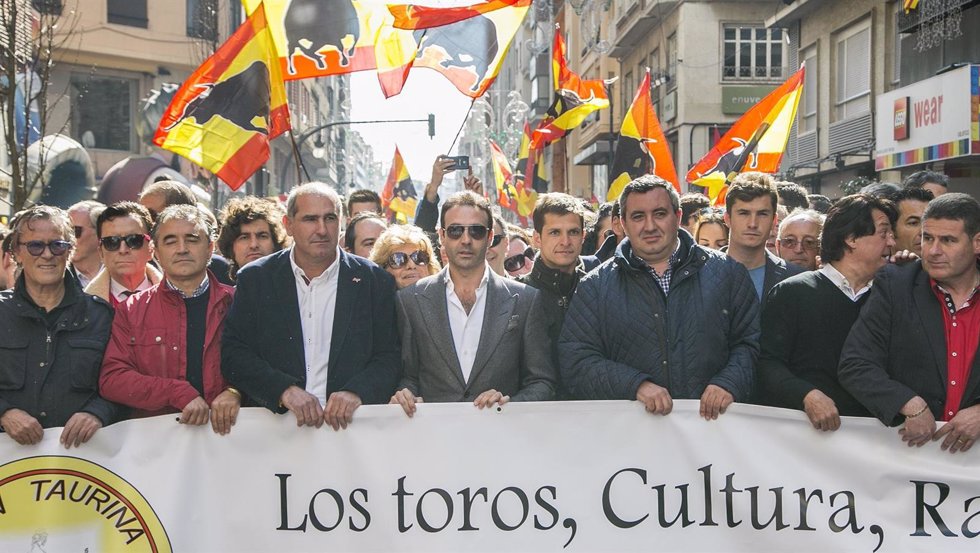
(425, 92)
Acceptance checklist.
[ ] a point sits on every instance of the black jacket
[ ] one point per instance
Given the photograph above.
(50, 369)
(621, 329)
(897, 348)
(262, 347)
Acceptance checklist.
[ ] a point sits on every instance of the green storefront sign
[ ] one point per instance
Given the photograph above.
(736, 100)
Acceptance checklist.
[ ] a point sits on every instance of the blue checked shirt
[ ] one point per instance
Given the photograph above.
(664, 279)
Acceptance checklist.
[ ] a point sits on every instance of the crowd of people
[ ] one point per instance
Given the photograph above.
(863, 306)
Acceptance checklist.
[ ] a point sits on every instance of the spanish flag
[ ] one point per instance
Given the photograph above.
(511, 191)
(575, 99)
(398, 197)
(466, 44)
(641, 148)
(225, 113)
(756, 141)
(530, 162)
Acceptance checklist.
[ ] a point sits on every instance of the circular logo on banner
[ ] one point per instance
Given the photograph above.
(55, 503)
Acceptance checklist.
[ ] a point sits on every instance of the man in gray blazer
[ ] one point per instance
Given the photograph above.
(468, 334)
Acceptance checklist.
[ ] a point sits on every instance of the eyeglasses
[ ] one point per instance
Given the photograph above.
(133, 241)
(78, 231)
(57, 247)
(398, 260)
(809, 244)
(517, 262)
(477, 232)
(497, 239)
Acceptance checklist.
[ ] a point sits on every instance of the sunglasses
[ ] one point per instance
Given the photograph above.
(133, 241)
(477, 232)
(78, 231)
(497, 239)
(57, 247)
(809, 244)
(517, 262)
(398, 260)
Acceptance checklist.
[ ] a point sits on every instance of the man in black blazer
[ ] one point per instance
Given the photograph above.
(911, 357)
(292, 339)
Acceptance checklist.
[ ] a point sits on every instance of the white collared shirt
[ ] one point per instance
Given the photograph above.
(840, 281)
(118, 291)
(317, 304)
(466, 327)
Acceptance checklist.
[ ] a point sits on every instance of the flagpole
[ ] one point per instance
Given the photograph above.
(298, 157)
(468, 110)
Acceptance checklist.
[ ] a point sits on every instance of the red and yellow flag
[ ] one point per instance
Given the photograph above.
(399, 198)
(530, 162)
(575, 99)
(225, 113)
(641, 148)
(756, 141)
(910, 5)
(511, 190)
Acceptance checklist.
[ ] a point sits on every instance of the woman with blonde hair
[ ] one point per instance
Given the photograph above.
(406, 253)
(712, 231)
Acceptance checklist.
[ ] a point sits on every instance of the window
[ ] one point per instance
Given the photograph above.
(629, 89)
(753, 53)
(808, 105)
(127, 12)
(853, 91)
(202, 19)
(672, 60)
(101, 111)
(52, 7)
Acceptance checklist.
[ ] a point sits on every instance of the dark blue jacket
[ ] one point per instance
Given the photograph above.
(621, 329)
(262, 348)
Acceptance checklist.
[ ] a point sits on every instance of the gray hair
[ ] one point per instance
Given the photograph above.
(803, 216)
(59, 219)
(92, 207)
(188, 213)
(314, 188)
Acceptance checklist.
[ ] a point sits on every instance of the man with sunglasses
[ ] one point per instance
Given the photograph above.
(124, 242)
(165, 352)
(798, 240)
(467, 333)
(664, 319)
(750, 213)
(53, 338)
(85, 260)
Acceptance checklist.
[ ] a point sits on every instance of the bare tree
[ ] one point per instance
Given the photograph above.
(30, 34)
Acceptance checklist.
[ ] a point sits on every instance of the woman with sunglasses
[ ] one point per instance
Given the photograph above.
(497, 252)
(53, 340)
(406, 253)
(520, 254)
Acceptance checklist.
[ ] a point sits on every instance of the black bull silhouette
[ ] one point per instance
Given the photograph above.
(468, 43)
(312, 25)
(239, 99)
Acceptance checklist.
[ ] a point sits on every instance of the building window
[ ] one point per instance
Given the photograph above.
(629, 89)
(753, 53)
(672, 60)
(853, 91)
(51, 7)
(101, 111)
(127, 12)
(808, 105)
(202, 19)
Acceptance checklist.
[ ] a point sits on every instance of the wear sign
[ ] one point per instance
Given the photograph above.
(562, 476)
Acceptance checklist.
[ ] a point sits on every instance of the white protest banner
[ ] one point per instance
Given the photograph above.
(572, 476)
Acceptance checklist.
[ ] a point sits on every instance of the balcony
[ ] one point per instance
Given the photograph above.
(632, 23)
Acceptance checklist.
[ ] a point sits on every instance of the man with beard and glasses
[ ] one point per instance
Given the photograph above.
(467, 333)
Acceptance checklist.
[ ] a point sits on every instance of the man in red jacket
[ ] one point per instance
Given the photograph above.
(164, 355)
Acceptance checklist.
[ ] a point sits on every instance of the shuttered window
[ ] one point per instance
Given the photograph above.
(127, 12)
(808, 107)
(853, 91)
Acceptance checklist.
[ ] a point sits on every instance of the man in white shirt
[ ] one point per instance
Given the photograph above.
(124, 244)
(85, 262)
(467, 333)
(292, 340)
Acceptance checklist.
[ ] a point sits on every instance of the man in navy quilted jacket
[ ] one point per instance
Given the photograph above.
(664, 318)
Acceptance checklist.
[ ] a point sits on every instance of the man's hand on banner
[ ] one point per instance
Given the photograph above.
(304, 405)
(821, 410)
(407, 400)
(224, 411)
(714, 401)
(489, 397)
(962, 431)
(339, 411)
(195, 413)
(23, 428)
(656, 399)
(79, 429)
(920, 425)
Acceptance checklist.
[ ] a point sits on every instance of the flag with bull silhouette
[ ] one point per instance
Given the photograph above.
(225, 113)
(756, 142)
(467, 44)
